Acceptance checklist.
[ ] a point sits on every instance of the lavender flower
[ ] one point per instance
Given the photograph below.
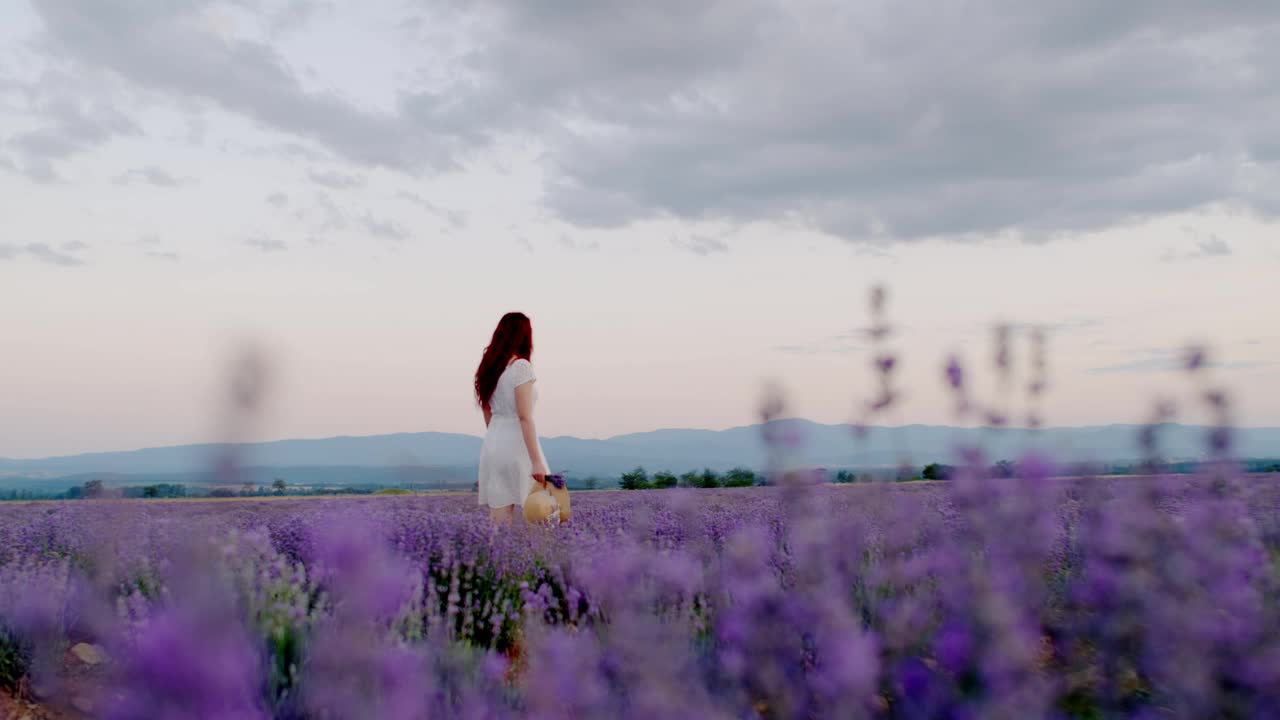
(954, 373)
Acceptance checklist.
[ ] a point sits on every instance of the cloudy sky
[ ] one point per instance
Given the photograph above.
(689, 198)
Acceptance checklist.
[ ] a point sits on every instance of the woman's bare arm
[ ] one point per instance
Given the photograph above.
(524, 409)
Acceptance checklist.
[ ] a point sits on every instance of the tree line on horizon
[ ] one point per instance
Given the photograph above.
(639, 478)
(636, 479)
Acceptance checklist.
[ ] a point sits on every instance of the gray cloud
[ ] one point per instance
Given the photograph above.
(961, 119)
(324, 216)
(385, 229)
(295, 14)
(46, 254)
(335, 180)
(573, 243)
(266, 245)
(162, 255)
(701, 245)
(41, 252)
(168, 47)
(292, 151)
(455, 218)
(151, 175)
(416, 199)
(278, 199)
(332, 217)
(1212, 246)
(74, 246)
(68, 125)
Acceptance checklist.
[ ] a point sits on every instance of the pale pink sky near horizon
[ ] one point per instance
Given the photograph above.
(677, 242)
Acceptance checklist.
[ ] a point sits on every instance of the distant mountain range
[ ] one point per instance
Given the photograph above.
(449, 459)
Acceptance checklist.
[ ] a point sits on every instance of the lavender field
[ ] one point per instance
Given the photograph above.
(977, 598)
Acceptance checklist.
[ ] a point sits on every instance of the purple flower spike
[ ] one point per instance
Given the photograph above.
(1216, 399)
(1195, 359)
(1035, 466)
(955, 374)
(1220, 439)
(885, 399)
(878, 296)
(1002, 347)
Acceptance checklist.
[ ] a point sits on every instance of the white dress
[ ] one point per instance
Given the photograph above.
(506, 473)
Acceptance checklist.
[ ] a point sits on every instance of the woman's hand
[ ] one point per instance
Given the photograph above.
(540, 472)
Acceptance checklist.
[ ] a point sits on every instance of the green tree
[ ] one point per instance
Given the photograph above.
(94, 489)
(844, 477)
(665, 479)
(591, 483)
(739, 477)
(1003, 469)
(637, 479)
(279, 486)
(936, 471)
(151, 491)
(690, 479)
(709, 479)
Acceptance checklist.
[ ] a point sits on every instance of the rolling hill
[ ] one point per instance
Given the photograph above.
(450, 458)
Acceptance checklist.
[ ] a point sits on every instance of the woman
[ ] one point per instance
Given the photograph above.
(511, 459)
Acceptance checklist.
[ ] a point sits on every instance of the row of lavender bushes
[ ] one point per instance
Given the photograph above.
(1020, 598)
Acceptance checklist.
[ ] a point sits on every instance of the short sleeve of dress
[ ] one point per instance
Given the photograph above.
(521, 372)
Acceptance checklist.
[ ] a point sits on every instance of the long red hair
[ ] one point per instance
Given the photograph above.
(513, 338)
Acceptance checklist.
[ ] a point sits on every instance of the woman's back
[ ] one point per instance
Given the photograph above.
(503, 401)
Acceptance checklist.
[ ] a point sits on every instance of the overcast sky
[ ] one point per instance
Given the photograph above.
(689, 198)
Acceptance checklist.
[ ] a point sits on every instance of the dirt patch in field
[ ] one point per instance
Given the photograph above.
(12, 708)
(73, 696)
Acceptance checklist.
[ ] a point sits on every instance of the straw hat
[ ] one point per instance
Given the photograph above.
(546, 503)
(540, 508)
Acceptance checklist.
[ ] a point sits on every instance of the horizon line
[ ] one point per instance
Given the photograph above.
(993, 428)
